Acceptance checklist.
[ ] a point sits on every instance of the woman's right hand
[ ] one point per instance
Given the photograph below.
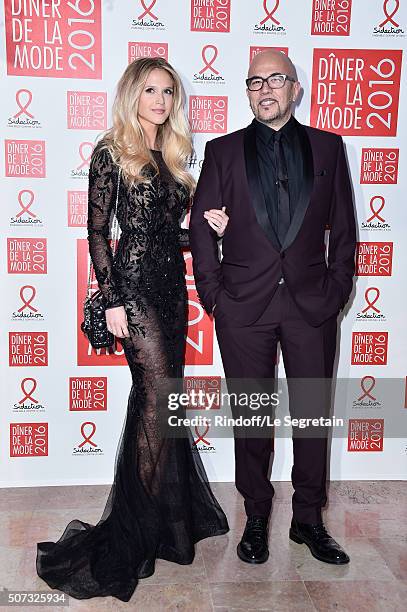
(116, 320)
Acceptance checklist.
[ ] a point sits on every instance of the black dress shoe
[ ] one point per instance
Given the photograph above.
(253, 547)
(320, 543)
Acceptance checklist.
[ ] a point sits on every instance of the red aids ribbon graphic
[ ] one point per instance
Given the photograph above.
(147, 10)
(370, 303)
(23, 207)
(269, 15)
(208, 64)
(23, 108)
(366, 392)
(84, 436)
(27, 394)
(376, 212)
(201, 437)
(389, 18)
(27, 303)
(85, 160)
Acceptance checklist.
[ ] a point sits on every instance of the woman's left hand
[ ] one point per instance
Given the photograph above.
(217, 219)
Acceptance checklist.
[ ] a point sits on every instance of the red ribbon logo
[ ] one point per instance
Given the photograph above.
(85, 160)
(375, 214)
(371, 303)
(27, 394)
(201, 437)
(147, 10)
(84, 436)
(24, 208)
(208, 64)
(27, 303)
(366, 392)
(269, 14)
(23, 107)
(389, 17)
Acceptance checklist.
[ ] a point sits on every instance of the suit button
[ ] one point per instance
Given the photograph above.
(281, 281)
(282, 255)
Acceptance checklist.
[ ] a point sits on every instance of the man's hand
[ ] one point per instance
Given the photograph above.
(116, 320)
(217, 219)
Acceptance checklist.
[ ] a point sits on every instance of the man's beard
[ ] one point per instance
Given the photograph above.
(269, 119)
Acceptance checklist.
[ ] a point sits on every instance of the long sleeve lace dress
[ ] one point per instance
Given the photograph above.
(160, 503)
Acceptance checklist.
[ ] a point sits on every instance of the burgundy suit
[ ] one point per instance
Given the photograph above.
(265, 294)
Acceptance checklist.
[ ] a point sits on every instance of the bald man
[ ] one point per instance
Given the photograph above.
(283, 184)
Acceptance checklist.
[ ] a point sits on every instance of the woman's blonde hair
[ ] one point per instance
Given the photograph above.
(125, 139)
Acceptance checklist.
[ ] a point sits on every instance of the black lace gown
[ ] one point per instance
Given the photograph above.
(160, 503)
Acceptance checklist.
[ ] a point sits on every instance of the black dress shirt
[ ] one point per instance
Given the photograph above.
(267, 165)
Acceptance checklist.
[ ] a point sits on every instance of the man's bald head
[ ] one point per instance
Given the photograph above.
(272, 105)
(270, 61)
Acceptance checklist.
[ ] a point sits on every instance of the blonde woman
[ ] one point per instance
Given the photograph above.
(160, 503)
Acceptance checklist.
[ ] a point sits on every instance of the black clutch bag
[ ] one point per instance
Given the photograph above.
(94, 324)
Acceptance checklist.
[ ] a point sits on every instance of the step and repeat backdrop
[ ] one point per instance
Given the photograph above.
(63, 404)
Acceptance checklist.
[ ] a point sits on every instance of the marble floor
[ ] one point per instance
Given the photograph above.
(369, 519)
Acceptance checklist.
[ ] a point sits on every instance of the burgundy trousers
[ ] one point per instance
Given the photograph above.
(308, 353)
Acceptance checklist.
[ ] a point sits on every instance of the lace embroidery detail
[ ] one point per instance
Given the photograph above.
(160, 502)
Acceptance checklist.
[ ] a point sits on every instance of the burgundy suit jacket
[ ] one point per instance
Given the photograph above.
(242, 284)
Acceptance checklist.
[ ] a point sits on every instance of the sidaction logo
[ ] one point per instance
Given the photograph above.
(389, 26)
(27, 310)
(85, 154)
(87, 446)
(25, 216)
(376, 220)
(23, 117)
(209, 73)
(270, 23)
(148, 17)
(367, 399)
(28, 402)
(201, 443)
(371, 312)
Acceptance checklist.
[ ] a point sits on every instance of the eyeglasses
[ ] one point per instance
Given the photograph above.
(274, 81)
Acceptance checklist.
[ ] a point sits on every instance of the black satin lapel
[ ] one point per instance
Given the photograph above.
(255, 190)
(307, 185)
